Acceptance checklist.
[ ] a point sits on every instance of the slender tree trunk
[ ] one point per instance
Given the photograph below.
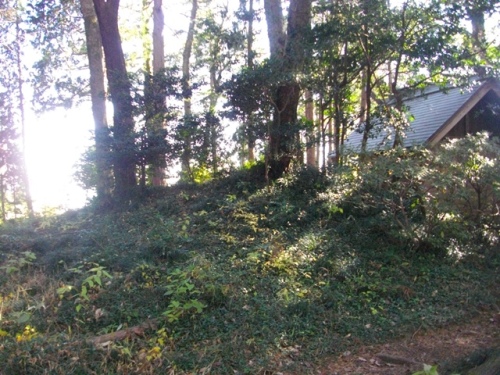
(213, 97)
(2, 199)
(311, 133)
(364, 115)
(337, 127)
(186, 92)
(119, 88)
(394, 81)
(98, 98)
(250, 65)
(366, 109)
(146, 157)
(160, 100)
(212, 119)
(319, 130)
(25, 179)
(366, 78)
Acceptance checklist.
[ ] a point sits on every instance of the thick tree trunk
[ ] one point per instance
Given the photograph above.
(283, 134)
(282, 137)
(275, 29)
(478, 37)
(98, 98)
(119, 88)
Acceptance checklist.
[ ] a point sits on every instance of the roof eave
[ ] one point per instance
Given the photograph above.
(462, 111)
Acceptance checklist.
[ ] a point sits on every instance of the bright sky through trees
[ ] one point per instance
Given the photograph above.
(68, 133)
(49, 136)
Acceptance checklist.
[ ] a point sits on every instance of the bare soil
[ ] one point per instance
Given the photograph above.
(407, 355)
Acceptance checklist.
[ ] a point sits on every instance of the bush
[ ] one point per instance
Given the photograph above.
(434, 201)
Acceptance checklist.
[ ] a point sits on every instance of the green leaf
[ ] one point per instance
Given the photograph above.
(83, 293)
(63, 290)
(12, 269)
(23, 317)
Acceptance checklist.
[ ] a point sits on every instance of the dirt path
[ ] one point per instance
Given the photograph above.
(408, 354)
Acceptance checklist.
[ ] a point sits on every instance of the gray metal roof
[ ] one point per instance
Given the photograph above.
(430, 110)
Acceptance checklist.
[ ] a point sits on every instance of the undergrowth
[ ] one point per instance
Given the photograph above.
(237, 278)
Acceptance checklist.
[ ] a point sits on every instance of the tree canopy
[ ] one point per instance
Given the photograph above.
(231, 88)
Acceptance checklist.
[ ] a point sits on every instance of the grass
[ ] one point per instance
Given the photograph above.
(241, 279)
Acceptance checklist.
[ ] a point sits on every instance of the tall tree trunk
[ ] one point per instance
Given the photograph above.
(146, 157)
(25, 179)
(275, 29)
(366, 77)
(153, 162)
(160, 104)
(98, 98)
(119, 88)
(250, 64)
(283, 135)
(186, 92)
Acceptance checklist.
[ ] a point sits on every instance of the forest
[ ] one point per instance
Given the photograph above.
(233, 228)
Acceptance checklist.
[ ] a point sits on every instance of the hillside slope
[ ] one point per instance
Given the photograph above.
(230, 277)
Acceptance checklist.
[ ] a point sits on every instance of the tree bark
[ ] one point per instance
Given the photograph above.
(476, 17)
(20, 83)
(250, 65)
(160, 100)
(283, 134)
(123, 151)
(275, 29)
(98, 98)
(187, 94)
(311, 132)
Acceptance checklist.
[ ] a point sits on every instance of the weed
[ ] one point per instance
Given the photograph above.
(90, 285)
(428, 370)
(182, 292)
(17, 261)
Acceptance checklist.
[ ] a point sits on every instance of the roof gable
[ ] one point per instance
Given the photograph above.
(435, 112)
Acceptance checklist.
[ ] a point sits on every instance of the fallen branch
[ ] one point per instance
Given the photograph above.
(136, 331)
(396, 360)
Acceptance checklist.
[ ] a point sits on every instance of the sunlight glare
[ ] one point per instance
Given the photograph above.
(54, 143)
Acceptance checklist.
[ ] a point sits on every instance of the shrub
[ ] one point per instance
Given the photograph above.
(426, 200)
